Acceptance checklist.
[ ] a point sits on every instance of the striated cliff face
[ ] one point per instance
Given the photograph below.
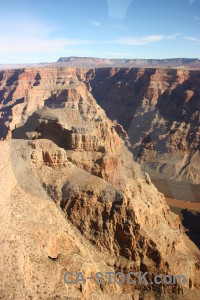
(22, 93)
(158, 108)
(65, 148)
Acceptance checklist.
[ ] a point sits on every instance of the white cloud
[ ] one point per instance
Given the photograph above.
(28, 37)
(173, 37)
(119, 27)
(140, 41)
(95, 23)
(15, 45)
(136, 41)
(193, 39)
(24, 26)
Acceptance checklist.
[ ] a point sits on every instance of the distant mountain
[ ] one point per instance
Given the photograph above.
(92, 62)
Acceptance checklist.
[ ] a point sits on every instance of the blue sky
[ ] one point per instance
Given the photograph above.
(40, 31)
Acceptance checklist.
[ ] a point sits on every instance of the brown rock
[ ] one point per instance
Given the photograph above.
(109, 206)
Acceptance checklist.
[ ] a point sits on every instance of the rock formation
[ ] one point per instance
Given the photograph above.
(158, 108)
(160, 111)
(75, 198)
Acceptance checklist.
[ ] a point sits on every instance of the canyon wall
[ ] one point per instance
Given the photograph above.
(158, 108)
(62, 149)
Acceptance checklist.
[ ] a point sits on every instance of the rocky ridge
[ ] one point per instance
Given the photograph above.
(93, 62)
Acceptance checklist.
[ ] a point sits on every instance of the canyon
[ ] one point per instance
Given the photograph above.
(157, 111)
(73, 194)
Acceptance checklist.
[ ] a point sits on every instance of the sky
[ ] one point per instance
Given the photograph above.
(42, 31)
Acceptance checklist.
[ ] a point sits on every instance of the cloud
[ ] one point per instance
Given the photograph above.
(140, 41)
(15, 45)
(24, 26)
(173, 37)
(119, 27)
(95, 23)
(28, 37)
(135, 41)
(193, 39)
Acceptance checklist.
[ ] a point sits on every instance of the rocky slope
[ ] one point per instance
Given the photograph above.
(38, 244)
(65, 148)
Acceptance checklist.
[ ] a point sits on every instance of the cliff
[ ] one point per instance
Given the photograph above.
(158, 108)
(69, 163)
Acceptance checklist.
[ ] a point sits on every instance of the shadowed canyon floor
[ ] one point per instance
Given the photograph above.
(189, 213)
(178, 190)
